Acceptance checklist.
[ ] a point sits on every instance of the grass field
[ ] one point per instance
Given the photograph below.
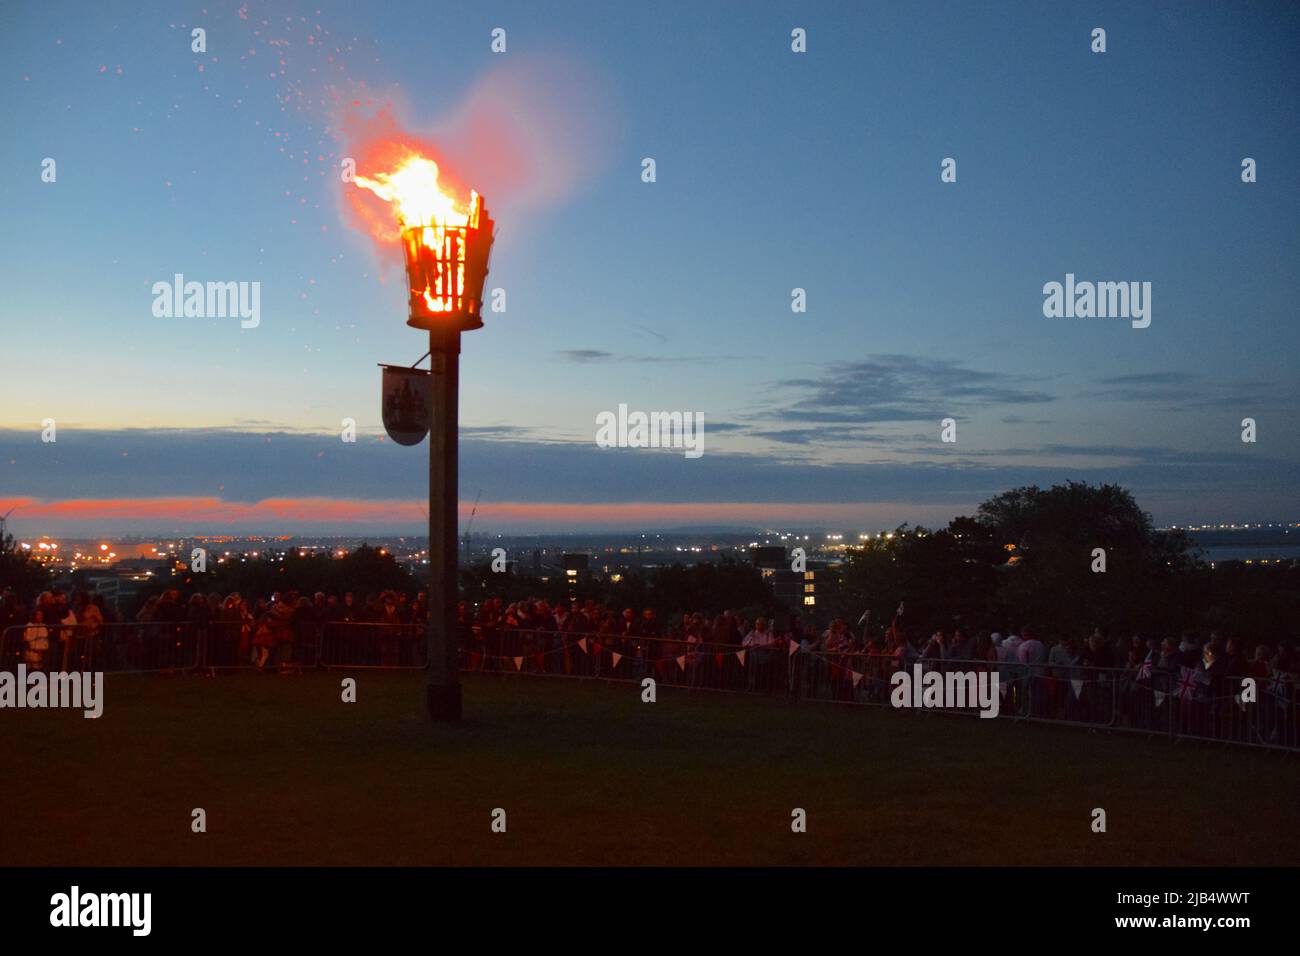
(588, 774)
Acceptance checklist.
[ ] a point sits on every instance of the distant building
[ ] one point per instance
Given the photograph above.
(797, 590)
(576, 569)
(575, 562)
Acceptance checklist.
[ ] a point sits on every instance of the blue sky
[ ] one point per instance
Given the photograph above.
(775, 170)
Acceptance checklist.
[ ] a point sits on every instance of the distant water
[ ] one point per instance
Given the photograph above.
(1259, 552)
(1251, 544)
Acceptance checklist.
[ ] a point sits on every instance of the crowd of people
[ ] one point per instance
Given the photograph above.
(283, 630)
(47, 627)
(272, 630)
(897, 645)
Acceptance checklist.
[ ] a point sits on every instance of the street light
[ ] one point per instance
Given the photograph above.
(447, 244)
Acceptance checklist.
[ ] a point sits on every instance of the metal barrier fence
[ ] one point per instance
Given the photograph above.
(773, 669)
(155, 647)
(386, 646)
(1184, 703)
(1160, 702)
(868, 679)
(1150, 701)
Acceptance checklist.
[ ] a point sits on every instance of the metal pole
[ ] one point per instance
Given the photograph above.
(442, 692)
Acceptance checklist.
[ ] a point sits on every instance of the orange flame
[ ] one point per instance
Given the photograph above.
(429, 217)
(412, 187)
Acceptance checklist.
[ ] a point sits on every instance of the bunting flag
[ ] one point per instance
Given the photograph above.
(717, 660)
(475, 659)
(540, 657)
(1160, 698)
(1078, 688)
(583, 644)
(1144, 672)
(596, 648)
(1187, 682)
(857, 678)
(519, 663)
(615, 656)
(740, 656)
(660, 665)
(794, 648)
(681, 662)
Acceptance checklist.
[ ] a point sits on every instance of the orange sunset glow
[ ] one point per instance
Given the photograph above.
(356, 513)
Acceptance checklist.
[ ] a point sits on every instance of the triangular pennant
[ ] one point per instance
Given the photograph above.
(717, 659)
(583, 644)
(519, 663)
(541, 660)
(616, 657)
(740, 656)
(794, 647)
(857, 678)
(1078, 688)
(681, 662)
(596, 648)
(1160, 698)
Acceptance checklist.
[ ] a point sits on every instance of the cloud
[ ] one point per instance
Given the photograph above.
(586, 355)
(246, 470)
(825, 435)
(497, 431)
(902, 388)
(1184, 390)
(1133, 454)
(590, 356)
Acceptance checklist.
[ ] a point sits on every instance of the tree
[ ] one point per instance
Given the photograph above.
(1027, 557)
(362, 571)
(1051, 577)
(709, 587)
(944, 578)
(19, 572)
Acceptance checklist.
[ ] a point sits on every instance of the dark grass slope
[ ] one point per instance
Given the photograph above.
(588, 774)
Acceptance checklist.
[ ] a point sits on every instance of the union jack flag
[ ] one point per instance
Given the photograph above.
(1278, 688)
(1188, 679)
(1144, 671)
